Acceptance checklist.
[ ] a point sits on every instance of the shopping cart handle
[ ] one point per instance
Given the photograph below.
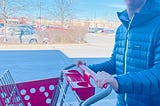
(97, 97)
(89, 72)
(70, 66)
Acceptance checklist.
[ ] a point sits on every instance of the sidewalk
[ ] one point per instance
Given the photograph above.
(99, 45)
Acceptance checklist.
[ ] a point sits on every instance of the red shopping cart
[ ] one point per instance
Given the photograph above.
(51, 92)
(31, 93)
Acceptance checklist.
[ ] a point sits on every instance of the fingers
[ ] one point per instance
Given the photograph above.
(79, 62)
(102, 78)
(99, 79)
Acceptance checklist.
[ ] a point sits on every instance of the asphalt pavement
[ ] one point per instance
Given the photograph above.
(32, 63)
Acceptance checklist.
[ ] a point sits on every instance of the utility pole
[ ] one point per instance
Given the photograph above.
(4, 20)
(40, 14)
(95, 16)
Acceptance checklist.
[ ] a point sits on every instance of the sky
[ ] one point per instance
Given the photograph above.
(83, 9)
(99, 8)
(91, 9)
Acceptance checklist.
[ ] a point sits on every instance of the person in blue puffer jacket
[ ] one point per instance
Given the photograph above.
(136, 56)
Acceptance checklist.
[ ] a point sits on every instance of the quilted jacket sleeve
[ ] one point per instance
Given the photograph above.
(144, 82)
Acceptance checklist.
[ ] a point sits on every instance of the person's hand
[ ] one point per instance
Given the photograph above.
(79, 62)
(102, 78)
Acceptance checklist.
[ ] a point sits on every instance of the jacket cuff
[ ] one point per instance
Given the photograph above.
(124, 83)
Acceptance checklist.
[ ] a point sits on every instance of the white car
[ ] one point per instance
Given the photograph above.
(24, 34)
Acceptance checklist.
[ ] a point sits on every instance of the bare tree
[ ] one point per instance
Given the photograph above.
(9, 8)
(112, 17)
(63, 10)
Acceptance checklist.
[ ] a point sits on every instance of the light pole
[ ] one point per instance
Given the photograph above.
(4, 20)
(95, 16)
(40, 13)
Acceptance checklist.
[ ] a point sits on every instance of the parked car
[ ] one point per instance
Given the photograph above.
(108, 30)
(101, 30)
(1, 25)
(95, 30)
(25, 34)
(92, 30)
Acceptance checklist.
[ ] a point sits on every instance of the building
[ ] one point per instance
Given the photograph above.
(15, 21)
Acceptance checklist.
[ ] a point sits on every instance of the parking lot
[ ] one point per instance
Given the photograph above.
(32, 62)
(22, 34)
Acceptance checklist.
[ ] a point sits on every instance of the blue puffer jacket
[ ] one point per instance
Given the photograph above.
(136, 57)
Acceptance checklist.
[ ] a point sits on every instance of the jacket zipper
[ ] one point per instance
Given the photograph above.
(126, 52)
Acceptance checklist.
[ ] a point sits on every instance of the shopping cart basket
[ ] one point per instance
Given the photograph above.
(9, 94)
(46, 92)
(79, 82)
(31, 93)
